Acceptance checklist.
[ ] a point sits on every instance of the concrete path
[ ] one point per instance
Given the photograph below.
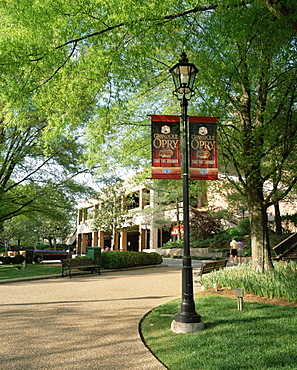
(87, 322)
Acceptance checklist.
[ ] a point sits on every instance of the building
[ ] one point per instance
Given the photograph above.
(142, 233)
(139, 235)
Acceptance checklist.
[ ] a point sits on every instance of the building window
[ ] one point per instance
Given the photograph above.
(133, 200)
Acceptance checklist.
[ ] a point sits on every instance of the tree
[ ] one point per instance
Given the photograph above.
(20, 230)
(100, 60)
(257, 91)
(52, 230)
(204, 224)
(26, 229)
(167, 198)
(113, 209)
(32, 173)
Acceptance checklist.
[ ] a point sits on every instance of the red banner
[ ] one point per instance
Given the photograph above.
(203, 148)
(165, 147)
(174, 230)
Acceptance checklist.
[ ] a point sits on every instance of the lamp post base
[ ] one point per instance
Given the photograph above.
(186, 327)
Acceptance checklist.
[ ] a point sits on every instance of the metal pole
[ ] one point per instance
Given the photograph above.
(187, 312)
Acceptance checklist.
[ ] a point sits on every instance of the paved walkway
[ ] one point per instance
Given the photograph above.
(87, 322)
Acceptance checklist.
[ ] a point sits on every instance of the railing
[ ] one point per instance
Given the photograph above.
(286, 244)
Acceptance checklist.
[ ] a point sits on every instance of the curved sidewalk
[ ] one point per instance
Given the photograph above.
(87, 322)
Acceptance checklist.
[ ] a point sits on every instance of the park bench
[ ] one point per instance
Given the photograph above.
(82, 264)
(210, 266)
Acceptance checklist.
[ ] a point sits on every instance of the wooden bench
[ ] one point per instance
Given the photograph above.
(83, 264)
(210, 266)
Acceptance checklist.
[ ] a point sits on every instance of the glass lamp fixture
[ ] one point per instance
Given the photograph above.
(183, 74)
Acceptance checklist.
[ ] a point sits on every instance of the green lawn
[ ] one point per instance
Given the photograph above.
(263, 336)
(11, 271)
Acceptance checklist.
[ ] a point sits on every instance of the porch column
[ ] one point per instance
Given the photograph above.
(124, 240)
(95, 239)
(101, 239)
(142, 239)
(154, 238)
(84, 244)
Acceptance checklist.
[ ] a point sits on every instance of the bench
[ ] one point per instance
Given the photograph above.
(83, 264)
(210, 266)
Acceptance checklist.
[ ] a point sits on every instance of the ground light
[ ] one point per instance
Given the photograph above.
(187, 320)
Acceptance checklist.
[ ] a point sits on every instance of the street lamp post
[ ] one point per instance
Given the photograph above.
(187, 320)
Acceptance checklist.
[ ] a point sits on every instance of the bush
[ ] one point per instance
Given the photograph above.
(18, 259)
(244, 226)
(7, 260)
(124, 259)
(37, 258)
(204, 224)
(173, 244)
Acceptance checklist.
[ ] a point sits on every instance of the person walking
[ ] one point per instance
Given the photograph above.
(233, 249)
(240, 250)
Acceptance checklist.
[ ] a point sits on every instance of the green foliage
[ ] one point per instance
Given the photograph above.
(292, 218)
(244, 226)
(98, 58)
(18, 259)
(37, 258)
(222, 240)
(173, 244)
(279, 282)
(113, 207)
(204, 224)
(6, 260)
(123, 259)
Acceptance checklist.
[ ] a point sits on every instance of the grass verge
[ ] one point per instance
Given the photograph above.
(12, 271)
(263, 336)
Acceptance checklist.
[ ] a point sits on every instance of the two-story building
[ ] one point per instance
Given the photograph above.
(139, 235)
(143, 233)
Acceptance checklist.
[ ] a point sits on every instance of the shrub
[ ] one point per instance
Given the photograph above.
(244, 226)
(173, 244)
(124, 259)
(37, 258)
(204, 224)
(6, 260)
(18, 259)
(222, 250)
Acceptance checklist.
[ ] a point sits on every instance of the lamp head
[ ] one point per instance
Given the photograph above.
(184, 74)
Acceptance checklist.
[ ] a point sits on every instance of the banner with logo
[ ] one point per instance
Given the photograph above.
(165, 147)
(174, 230)
(203, 148)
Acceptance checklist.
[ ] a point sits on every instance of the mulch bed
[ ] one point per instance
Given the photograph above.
(249, 297)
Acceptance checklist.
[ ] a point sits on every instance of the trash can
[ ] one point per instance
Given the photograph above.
(95, 254)
(29, 256)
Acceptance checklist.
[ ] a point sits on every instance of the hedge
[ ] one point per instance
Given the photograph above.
(16, 260)
(123, 259)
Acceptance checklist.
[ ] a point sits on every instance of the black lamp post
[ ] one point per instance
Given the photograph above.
(187, 320)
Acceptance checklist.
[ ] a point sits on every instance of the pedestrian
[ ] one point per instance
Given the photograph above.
(240, 250)
(233, 248)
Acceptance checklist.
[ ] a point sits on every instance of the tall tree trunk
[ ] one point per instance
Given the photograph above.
(278, 220)
(113, 238)
(261, 258)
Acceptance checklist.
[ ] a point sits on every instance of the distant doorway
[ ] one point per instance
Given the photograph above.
(133, 241)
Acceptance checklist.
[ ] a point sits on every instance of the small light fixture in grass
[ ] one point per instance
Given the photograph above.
(239, 293)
